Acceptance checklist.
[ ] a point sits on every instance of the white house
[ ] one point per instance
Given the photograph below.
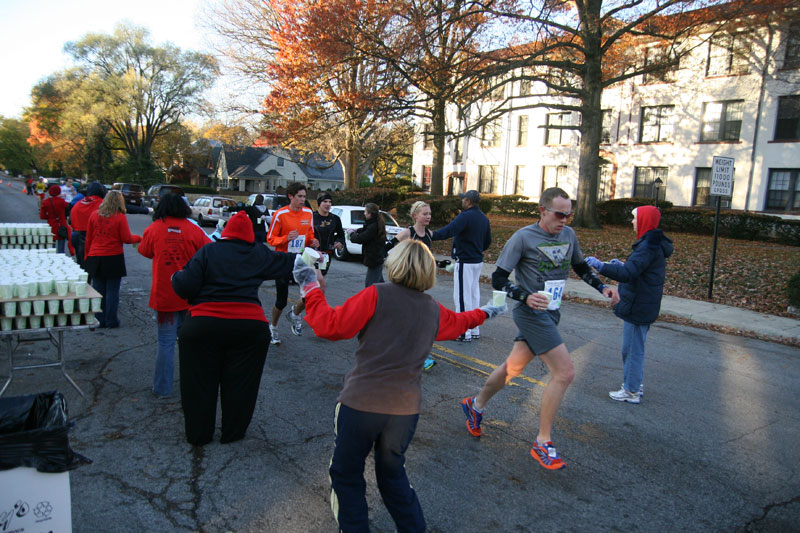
(737, 95)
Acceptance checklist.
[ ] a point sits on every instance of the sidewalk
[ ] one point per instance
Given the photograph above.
(704, 313)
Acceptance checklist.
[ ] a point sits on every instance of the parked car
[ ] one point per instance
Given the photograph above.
(353, 218)
(155, 192)
(132, 192)
(210, 209)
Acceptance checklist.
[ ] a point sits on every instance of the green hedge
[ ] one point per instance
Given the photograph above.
(513, 204)
(618, 211)
(793, 290)
(386, 199)
(198, 189)
(732, 224)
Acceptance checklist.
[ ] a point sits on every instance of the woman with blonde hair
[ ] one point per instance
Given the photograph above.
(378, 408)
(107, 231)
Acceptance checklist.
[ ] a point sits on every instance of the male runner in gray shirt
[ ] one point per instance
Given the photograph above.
(541, 255)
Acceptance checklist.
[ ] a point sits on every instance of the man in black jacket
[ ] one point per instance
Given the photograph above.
(472, 236)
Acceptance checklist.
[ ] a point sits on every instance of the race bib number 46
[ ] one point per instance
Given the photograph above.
(556, 289)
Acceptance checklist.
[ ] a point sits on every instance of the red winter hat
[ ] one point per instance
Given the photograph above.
(647, 218)
(55, 190)
(239, 227)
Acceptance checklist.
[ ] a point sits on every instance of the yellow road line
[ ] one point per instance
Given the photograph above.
(481, 363)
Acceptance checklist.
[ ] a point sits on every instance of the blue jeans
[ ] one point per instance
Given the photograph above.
(374, 275)
(61, 246)
(109, 289)
(357, 433)
(168, 323)
(633, 339)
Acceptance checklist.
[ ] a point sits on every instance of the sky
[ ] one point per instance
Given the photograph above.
(34, 32)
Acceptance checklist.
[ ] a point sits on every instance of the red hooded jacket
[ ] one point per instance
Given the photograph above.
(54, 210)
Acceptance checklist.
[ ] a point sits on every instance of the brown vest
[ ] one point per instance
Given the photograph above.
(391, 349)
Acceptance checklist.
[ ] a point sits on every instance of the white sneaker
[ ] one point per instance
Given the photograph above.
(275, 338)
(624, 396)
(297, 323)
(641, 389)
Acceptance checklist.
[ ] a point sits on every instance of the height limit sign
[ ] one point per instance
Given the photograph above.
(722, 176)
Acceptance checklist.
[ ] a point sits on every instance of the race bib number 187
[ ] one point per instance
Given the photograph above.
(296, 245)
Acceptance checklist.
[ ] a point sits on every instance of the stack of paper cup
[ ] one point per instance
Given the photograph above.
(52, 306)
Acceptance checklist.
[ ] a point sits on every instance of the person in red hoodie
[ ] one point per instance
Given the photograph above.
(378, 408)
(79, 218)
(54, 210)
(170, 241)
(224, 340)
(105, 259)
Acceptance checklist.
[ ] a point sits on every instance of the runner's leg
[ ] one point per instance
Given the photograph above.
(516, 361)
(562, 373)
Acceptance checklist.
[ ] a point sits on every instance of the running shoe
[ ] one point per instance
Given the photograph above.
(622, 395)
(547, 455)
(297, 323)
(641, 389)
(473, 417)
(464, 338)
(274, 337)
(428, 364)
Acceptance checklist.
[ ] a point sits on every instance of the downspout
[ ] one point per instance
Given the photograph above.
(758, 116)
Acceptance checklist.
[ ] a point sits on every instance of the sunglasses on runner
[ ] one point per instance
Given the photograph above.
(559, 214)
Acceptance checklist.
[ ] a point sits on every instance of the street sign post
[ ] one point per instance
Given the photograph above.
(721, 185)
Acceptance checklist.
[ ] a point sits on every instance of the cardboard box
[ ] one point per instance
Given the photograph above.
(34, 502)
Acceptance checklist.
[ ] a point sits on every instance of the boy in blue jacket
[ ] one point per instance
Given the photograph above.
(641, 286)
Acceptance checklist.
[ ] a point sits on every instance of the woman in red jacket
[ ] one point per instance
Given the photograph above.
(54, 210)
(105, 260)
(170, 241)
(379, 406)
(79, 218)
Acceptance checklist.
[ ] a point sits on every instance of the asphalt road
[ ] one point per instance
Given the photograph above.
(712, 447)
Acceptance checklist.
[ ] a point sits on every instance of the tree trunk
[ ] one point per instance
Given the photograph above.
(437, 172)
(350, 164)
(591, 125)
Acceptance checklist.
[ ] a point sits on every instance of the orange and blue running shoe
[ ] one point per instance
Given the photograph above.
(547, 455)
(473, 417)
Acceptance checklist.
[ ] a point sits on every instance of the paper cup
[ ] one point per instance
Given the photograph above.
(36, 322)
(498, 298)
(52, 306)
(97, 305)
(21, 289)
(61, 320)
(62, 287)
(33, 288)
(38, 307)
(10, 309)
(75, 319)
(45, 286)
(48, 321)
(6, 323)
(25, 308)
(546, 295)
(68, 306)
(6, 290)
(83, 276)
(80, 287)
(21, 322)
(310, 256)
(84, 304)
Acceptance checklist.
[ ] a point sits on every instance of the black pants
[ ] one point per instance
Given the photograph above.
(228, 356)
(79, 243)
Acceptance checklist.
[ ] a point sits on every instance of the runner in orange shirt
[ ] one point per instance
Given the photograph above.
(291, 230)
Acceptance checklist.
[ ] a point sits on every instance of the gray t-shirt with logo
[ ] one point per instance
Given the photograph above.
(537, 256)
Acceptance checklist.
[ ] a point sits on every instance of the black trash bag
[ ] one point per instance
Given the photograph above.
(33, 432)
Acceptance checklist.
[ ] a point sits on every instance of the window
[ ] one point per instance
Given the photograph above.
(522, 132)
(492, 134)
(608, 126)
(783, 192)
(487, 179)
(497, 89)
(427, 170)
(787, 126)
(728, 54)
(702, 189)
(427, 137)
(722, 121)
(553, 176)
(645, 182)
(604, 183)
(525, 87)
(656, 125)
(792, 57)
(555, 134)
(280, 161)
(658, 55)
(519, 180)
